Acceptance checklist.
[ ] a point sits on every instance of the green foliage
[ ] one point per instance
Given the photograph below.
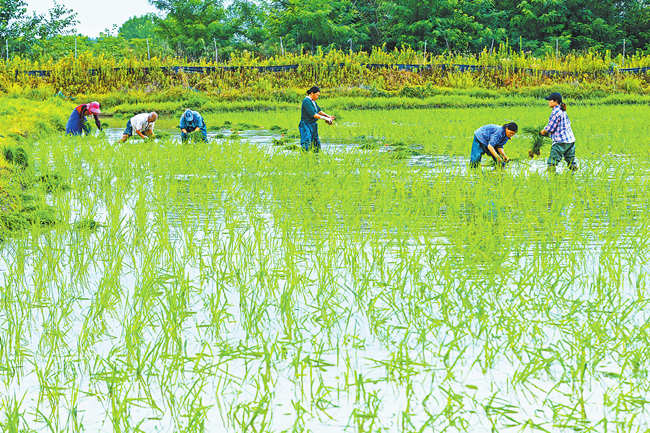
(582, 73)
(197, 29)
(22, 31)
(16, 155)
(224, 281)
(322, 23)
(87, 224)
(141, 27)
(194, 27)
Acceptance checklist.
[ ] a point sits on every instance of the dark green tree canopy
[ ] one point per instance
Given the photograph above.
(142, 27)
(23, 31)
(202, 28)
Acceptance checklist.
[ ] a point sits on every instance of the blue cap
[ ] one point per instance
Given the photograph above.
(188, 115)
(554, 97)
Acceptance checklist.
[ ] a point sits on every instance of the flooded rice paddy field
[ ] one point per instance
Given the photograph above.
(239, 286)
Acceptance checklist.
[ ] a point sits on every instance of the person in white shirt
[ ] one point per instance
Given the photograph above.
(142, 124)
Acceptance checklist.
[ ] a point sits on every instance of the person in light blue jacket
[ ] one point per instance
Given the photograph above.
(192, 121)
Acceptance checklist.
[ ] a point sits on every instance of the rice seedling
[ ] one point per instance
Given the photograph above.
(234, 286)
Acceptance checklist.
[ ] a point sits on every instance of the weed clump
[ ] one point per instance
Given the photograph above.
(16, 156)
(23, 218)
(278, 129)
(53, 182)
(86, 225)
(280, 141)
(22, 205)
(401, 150)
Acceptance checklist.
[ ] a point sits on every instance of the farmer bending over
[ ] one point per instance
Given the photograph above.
(192, 121)
(77, 123)
(142, 124)
(559, 129)
(310, 114)
(490, 139)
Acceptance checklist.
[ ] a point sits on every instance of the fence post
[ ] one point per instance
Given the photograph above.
(557, 47)
(623, 50)
(75, 47)
(216, 52)
(281, 47)
(148, 54)
(7, 48)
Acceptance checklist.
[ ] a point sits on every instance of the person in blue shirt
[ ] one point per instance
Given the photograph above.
(310, 114)
(192, 121)
(490, 139)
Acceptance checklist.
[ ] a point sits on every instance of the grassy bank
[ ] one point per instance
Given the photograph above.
(24, 190)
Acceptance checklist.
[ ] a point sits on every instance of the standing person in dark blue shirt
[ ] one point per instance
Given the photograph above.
(310, 114)
(490, 139)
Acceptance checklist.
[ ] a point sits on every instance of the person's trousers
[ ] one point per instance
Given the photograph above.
(560, 151)
(76, 124)
(309, 136)
(478, 150)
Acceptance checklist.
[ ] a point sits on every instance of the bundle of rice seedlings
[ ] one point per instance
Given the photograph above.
(537, 140)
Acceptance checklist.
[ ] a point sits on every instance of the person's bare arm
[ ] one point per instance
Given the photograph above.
(494, 153)
(97, 122)
(326, 117)
(503, 154)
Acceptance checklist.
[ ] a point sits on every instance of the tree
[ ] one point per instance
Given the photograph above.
(248, 21)
(311, 23)
(12, 13)
(142, 27)
(457, 25)
(22, 31)
(635, 23)
(193, 26)
(577, 24)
